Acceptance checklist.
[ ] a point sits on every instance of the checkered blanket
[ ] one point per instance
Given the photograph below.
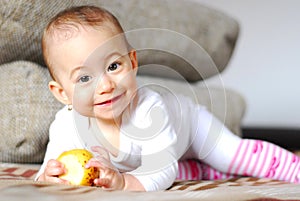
(16, 184)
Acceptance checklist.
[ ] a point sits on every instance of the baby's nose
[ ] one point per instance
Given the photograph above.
(105, 84)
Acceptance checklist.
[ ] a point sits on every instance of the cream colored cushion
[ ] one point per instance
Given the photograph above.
(27, 109)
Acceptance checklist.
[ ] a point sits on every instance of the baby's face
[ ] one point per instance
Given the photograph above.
(96, 72)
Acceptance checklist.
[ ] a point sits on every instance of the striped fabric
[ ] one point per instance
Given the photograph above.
(263, 159)
(196, 170)
(254, 158)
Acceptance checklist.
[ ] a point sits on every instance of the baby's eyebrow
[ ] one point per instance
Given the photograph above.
(74, 70)
(112, 54)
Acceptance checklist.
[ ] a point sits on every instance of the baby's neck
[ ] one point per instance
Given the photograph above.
(111, 134)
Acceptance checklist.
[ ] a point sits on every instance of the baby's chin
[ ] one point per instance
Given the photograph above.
(108, 116)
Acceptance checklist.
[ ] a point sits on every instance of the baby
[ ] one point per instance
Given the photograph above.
(138, 136)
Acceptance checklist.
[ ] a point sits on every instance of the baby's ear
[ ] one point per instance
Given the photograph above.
(58, 92)
(133, 59)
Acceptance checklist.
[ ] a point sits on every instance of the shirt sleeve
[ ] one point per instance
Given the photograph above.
(158, 171)
(159, 165)
(155, 133)
(61, 138)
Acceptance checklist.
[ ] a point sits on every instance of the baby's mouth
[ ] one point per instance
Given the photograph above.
(110, 101)
(106, 102)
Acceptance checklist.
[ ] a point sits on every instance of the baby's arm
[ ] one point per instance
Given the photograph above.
(110, 177)
(61, 138)
(157, 171)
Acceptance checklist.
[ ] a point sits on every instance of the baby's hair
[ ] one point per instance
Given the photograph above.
(67, 22)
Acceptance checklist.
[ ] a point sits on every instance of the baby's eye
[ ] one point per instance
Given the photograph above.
(84, 79)
(113, 66)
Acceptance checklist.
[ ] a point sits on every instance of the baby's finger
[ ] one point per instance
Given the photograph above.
(105, 163)
(93, 163)
(54, 163)
(52, 172)
(103, 182)
(98, 162)
(57, 180)
(101, 151)
(54, 168)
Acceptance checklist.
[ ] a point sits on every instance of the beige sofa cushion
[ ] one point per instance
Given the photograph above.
(27, 109)
(179, 32)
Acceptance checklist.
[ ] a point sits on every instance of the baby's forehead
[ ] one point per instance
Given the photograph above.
(65, 32)
(71, 34)
(89, 41)
(97, 42)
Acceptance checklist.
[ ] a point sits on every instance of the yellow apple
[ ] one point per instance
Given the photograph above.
(74, 161)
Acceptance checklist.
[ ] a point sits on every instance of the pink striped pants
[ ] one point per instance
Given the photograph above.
(253, 158)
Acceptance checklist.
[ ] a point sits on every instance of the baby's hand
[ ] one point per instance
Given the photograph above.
(110, 177)
(53, 169)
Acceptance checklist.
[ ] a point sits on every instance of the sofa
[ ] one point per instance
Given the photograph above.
(180, 44)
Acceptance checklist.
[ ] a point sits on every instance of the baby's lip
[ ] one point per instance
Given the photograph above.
(110, 101)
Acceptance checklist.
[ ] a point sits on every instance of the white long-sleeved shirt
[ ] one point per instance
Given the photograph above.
(155, 133)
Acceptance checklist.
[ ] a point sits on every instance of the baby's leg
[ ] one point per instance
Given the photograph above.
(221, 149)
(263, 159)
(191, 169)
(254, 158)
